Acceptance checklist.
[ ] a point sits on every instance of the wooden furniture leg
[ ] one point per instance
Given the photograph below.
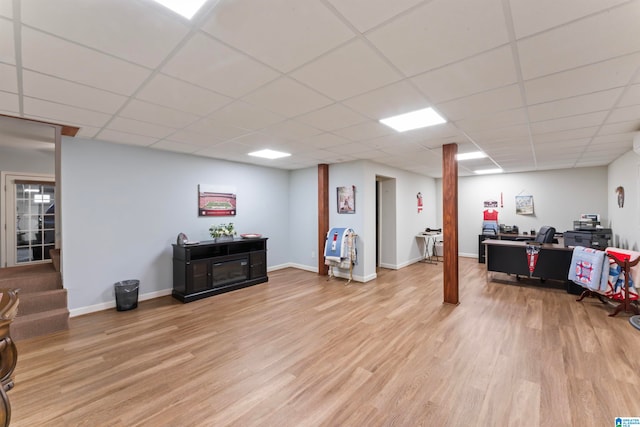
(8, 351)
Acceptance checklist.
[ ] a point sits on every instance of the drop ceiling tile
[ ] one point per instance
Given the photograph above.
(282, 33)
(568, 123)
(137, 127)
(87, 132)
(616, 137)
(622, 127)
(232, 150)
(8, 78)
(479, 26)
(208, 63)
(63, 114)
(258, 141)
(176, 94)
(176, 147)
(589, 103)
(125, 138)
(565, 135)
(506, 98)
(568, 143)
(9, 102)
(291, 130)
(134, 31)
(335, 116)
(364, 131)
(347, 71)
(324, 140)
(624, 114)
(595, 38)
(494, 120)
(194, 138)
(152, 113)
(366, 14)
(287, 97)
(216, 129)
(388, 101)
(631, 96)
(499, 134)
(583, 80)
(246, 116)
(6, 8)
(530, 17)
(50, 55)
(54, 89)
(7, 53)
(610, 146)
(480, 73)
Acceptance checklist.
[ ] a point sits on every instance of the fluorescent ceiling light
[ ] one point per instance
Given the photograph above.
(414, 120)
(471, 155)
(269, 154)
(186, 8)
(488, 171)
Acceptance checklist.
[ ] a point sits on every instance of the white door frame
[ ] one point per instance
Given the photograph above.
(7, 204)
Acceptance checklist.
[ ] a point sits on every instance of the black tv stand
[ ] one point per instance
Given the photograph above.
(213, 267)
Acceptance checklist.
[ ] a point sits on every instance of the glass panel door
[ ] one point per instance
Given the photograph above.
(35, 221)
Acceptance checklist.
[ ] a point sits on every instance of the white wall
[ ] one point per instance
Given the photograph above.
(124, 207)
(625, 221)
(303, 219)
(559, 197)
(33, 161)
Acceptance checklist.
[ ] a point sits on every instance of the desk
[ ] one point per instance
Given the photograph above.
(510, 257)
(429, 246)
(501, 236)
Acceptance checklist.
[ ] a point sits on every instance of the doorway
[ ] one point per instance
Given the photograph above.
(386, 222)
(29, 218)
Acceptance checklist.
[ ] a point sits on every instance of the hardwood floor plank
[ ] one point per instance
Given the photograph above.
(303, 350)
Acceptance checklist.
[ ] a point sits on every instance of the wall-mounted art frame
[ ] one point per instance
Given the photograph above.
(216, 200)
(346, 200)
(524, 205)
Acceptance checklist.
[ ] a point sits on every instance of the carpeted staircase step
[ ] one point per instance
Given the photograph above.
(35, 302)
(37, 324)
(44, 281)
(42, 307)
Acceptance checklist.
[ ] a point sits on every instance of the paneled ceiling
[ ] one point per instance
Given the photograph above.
(537, 85)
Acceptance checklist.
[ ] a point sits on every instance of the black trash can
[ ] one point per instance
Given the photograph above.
(126, 294)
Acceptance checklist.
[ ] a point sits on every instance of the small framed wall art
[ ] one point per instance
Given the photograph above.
(346, 200)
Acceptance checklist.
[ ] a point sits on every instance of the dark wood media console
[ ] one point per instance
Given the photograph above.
(211, 268)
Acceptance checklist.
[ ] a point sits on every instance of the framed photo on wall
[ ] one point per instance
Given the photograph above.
(347, 200)
(524, 205)
(215, 200)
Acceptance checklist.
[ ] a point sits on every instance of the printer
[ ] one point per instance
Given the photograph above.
(588, 234)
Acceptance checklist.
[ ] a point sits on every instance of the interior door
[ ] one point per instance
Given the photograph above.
(29, 217)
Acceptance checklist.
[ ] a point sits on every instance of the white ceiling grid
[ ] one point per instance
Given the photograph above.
(537, 85)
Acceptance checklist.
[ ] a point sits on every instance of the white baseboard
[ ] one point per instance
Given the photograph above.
(303, 267)
(112, 304)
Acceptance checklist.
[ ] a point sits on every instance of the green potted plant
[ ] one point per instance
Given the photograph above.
(222, 231)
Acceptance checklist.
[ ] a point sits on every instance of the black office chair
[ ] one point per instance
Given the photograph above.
(545, 235)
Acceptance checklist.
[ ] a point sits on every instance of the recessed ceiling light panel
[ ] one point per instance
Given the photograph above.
(414, 120)
(488, 171)
(471, 155)
(269, 154)
(186, 8)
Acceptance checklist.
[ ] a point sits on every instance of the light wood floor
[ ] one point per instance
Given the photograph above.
(303, 351)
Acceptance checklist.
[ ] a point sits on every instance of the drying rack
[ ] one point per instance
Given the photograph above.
(625, 304)
(346, 262)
